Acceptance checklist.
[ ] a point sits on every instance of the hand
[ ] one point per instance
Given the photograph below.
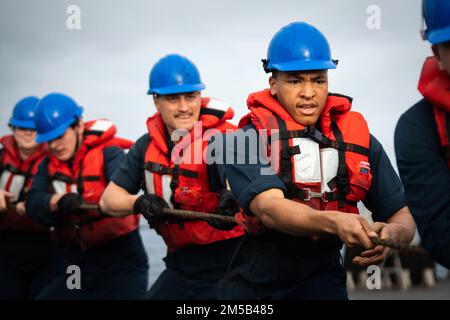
(53, 205)
(4, 197)
(69, 203)
(228, 207)
(378, 254)
(251, 224)
(354, 230)
(20, 208)
(151, 207)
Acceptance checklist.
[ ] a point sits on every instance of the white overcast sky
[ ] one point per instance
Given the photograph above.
(105, 65)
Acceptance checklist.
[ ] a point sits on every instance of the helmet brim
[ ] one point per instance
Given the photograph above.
(26, 124)
(438, 36)
(55, 133)
(302, 65)
(177, 89)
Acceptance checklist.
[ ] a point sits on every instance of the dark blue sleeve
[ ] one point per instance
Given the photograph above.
(386, 195)
(129, 174)
(113, 157)
(426, 178)
(215, 182)
(38, 201)
(238, 163)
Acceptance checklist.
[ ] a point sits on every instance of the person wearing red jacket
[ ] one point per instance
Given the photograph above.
(27, 256)
(173, 173)
(422, 139)
(107, 252)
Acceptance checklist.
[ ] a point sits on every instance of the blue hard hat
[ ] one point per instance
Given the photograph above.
(437, 17)
(296, 47)
(54, 114)
(23, 113)
(174, 74)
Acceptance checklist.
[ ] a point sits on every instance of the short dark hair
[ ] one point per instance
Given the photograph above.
(75, 123)
(445, 44)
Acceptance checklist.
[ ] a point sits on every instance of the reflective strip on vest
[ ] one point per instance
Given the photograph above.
(217, 105)
(101, 125)
(63, 187)
(13, 183)
(329, 158)
(166, 190)
(307, 162)
(149, 183)
(314, 165)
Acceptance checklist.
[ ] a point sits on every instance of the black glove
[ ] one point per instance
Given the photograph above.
(151, 207)
(69, 204)
(228, 206)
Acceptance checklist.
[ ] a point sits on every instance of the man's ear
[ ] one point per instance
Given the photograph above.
(80, 127)
(155, 101)
(435, 49)
(273, 85)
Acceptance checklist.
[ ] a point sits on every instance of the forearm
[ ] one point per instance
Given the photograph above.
(3, 201)
(291, 217)
(403, 224)
(116, 201)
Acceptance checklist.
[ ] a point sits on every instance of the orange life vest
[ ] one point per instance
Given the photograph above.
(16, 177)
(86, 176)
(183, 182)
(326, 168)
(434, 85)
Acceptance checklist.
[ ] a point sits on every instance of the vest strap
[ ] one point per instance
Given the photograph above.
(89, 178)
(62, 177)
(28, 176)
(337, 144)
(213, 112)
(317, 136)
(292, 151)
(13, 169)
(305, 194)
(286, 135)
(161, 169)
(342, 180)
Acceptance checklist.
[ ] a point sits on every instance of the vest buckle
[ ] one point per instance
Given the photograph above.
(313, 194)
